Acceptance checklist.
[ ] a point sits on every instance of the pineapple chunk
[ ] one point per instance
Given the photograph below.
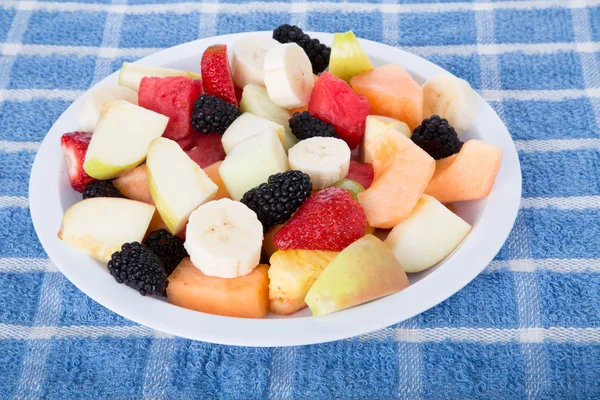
(292, 274)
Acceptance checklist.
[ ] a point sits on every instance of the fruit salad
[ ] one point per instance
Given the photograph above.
(287, 175)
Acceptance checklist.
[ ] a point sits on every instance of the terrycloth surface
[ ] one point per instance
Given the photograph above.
(527, 327)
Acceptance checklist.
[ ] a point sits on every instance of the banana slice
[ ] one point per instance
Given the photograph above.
(90, 110)
(326, 160)
(451, 98)
(224, 238)
(288, 75)
(248, 58)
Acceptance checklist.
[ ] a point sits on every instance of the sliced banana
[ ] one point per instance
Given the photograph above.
(224, 238)
(248, 59)
(326, 160)
(90, 110)
(288, 75)
(451, 98)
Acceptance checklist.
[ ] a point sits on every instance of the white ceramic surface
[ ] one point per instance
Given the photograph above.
(492, 218)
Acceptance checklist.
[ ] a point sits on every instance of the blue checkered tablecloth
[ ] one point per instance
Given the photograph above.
(526, 328)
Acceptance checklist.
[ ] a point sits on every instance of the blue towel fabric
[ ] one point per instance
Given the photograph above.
(527, 328)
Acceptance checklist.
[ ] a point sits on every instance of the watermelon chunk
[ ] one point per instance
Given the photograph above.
(334, 101)
(207, 149)
(173, 96)
(361, 173)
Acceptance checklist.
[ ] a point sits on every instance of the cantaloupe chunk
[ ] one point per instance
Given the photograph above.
(468, 175)
(392, 92)
(134, 185)
(402, 172)
(213, 173)
(245, 297)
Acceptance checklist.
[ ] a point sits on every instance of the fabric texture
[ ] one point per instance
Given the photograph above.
(528, 327)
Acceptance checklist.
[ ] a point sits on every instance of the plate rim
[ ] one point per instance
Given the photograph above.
(355, 321)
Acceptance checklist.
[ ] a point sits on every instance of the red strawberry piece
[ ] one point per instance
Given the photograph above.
(207, 149)
(74, 146)
(328, 220)
(216, 75)
(361, 173)
(334, 101)
(173, 96)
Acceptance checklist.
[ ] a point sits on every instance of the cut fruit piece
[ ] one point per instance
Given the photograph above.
(134, 185)
(75, 146)
(402, 171)
(255, 100)
(89, 112)
(101, 225)
(364, 271)
(392, 92)
(206, 149)
(288, 75)
(468, 175)
(251, 162)
(269, 247)
(121, 139)
(361, 173)
(173, 96)
(216, 75)
(347, 57)
(328, 220)
(375, 125)
(212, 171)
(224, 239)
(291, 275)
(157, 223)
(177, 184)
(248, 59)
(244, 297)
(334, 101)
(247, 125)
(324, 159)
(451, 98)
(427, 235)
(353, 187)
(130, 75)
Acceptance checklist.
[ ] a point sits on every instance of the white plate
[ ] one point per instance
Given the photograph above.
(50, 195)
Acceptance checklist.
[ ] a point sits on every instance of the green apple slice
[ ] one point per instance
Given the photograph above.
(364, 271)
(248, 125)
(428, 235)
(256, 100)
(347, 57)
(130, 75)
(177, 184)
(121, 139)
(101, 225)
(252, 162)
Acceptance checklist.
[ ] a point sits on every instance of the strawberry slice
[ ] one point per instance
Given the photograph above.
(216, 76)
(207, 149)
(74, 146)
(328, 220)
(361, 173)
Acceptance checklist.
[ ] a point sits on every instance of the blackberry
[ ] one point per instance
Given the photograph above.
(213, 115)
(139, 268)
(305, 126)
(101, 189)
(317, 52)
(437, 137)
(274, 202)
(167, 247)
